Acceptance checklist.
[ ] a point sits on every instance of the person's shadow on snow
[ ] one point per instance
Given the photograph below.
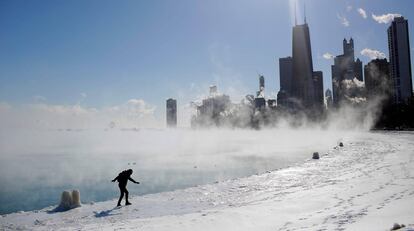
(106, 213)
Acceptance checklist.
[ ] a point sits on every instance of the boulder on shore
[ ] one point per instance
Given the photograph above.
(397, 226)
(315, 156)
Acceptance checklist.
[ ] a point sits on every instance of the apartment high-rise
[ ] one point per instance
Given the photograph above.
(400, 60)
(171, 113)
(285, 74)
(318, 88)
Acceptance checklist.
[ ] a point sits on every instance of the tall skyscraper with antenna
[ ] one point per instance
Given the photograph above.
(302, 73)
(300, 86)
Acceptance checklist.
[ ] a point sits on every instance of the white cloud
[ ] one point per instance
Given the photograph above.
(328, 55)
(385, 18)
(362, 12)
(344, 20)
(71, 110)
(372, 54)
(39, 98)
(138, 108)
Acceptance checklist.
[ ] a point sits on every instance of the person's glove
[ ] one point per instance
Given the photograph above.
(113, 180)
(137, 182)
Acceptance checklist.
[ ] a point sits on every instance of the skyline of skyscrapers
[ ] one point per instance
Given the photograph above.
(302, 88)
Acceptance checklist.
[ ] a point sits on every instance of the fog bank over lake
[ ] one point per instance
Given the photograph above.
(37, 165)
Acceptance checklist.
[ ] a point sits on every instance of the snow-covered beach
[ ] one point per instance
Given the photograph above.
(366, 185)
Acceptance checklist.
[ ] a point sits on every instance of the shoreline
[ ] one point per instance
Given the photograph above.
(348, 188)
(51, 207)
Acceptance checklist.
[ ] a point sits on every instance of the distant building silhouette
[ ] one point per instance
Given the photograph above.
(261, 82)
(358, 70)
(285, 74)
(171, 113)
(345, 68)
(213, 90)
(285, 79)
(260, 92)
(318, 89)
(271, 103)
(283, 100)
(211, 110)
(378, 82)
(260, 101)
(400, 60)
(328, 98)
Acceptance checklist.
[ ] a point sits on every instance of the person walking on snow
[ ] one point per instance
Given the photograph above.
(123, 178)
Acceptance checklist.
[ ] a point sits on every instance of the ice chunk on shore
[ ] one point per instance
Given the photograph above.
(69, 200)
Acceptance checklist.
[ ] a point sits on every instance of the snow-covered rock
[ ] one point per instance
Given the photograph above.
(69, 200)
(76, 198)
(397, 226)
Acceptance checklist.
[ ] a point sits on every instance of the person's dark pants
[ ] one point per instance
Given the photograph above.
(123, 190)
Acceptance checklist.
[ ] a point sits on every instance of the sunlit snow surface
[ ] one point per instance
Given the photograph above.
(366, 185)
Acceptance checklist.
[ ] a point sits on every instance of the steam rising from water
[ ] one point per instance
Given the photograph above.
(45, 149)
(37, 165)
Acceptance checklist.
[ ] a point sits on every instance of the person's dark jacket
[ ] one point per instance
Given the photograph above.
(123, 178)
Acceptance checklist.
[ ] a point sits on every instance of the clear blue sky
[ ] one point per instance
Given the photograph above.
(117, 50)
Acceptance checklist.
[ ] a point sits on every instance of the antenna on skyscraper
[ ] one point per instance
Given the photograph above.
(296, 23)
(304, 10)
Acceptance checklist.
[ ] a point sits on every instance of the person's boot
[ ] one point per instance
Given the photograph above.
(119, 200)
(127, 203)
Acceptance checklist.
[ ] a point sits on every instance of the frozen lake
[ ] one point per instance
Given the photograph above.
(35, 167)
